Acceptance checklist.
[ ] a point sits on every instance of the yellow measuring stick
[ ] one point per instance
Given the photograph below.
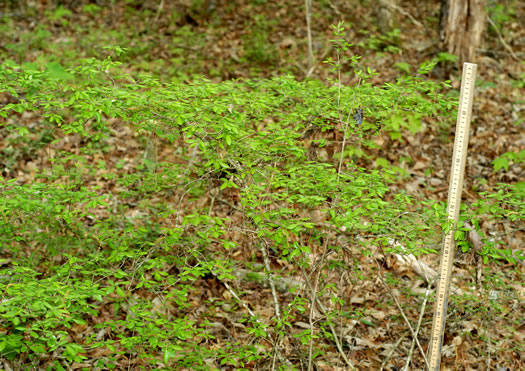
(454, 202)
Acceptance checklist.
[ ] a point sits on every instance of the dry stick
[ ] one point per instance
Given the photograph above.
(402, 313)
(389, 355)
(308, 7)
(420, 320)
(488, 347)
(130, 350)
(488, 318)
(314, 66)
(274, 295)
(341, 294)
(402, 11)
(505, 45)
(211, 204)
(159, 10)
(274, 360)
(253, 315)
(335, 9)
(276, 344)
(345, 130)
(332, 330)
(270, 280)
(243, 304)
(12, 14)
(239, 300)
(427, 31)
(213, 197)
(312, 306)
(498, 52)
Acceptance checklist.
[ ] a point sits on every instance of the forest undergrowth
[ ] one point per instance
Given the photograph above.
(262, 222)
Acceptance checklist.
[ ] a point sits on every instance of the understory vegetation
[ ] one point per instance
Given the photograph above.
(149, 222)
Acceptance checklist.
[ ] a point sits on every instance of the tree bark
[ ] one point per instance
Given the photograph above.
(310, 54)
(462, 23)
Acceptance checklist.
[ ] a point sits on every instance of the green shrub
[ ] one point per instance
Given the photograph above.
(130, 236)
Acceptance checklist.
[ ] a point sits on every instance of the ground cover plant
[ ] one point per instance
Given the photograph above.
(155, 223)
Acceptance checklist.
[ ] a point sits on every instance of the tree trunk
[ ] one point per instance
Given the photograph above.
(462, 23)
(310, 54)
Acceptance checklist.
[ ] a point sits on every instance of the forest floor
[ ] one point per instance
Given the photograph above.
(225, 40)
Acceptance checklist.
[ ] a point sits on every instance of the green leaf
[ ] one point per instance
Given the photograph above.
(120, 292)
(57, 72)
(366, 322)
(426, 67)
(403, 66)
(501, 162)
(382, 162)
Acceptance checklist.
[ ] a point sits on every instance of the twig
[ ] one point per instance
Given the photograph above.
(402, 11)
(159, 10)
(332, 330)
(420, 320)
(345, 130)
(389, 355)
(335, 9)
(477, 242)
(12, 14)
(314, 66)
(242, 303)
(274, 359)
(341, 294)
(312, 307)
(497, 52)
(213, 198)
(276, 353)
(274, 345)
(427, 31)
(505, 45)
(414, 336)
(270, 280)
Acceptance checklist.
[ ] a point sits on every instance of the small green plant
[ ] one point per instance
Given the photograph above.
(444, 57)
(92, 9)
(257, 44)
(503, 161)
(504, 204)
(500, 15)
(389, 42)
(60, 15)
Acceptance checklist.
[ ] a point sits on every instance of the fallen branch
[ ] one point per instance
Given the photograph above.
(505, 45)
(395, 7)
(428, 274)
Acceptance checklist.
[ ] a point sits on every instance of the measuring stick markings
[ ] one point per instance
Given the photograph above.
(454, 202)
